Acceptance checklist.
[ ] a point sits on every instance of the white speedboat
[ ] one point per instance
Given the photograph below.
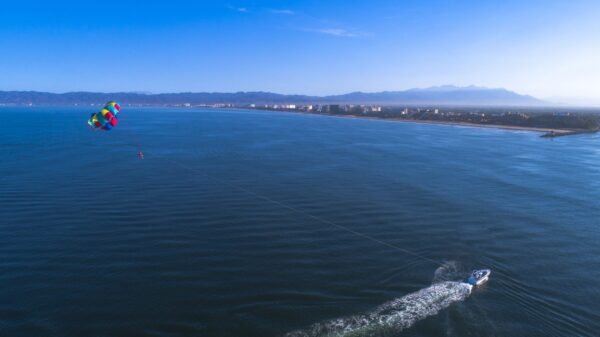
(479, 277)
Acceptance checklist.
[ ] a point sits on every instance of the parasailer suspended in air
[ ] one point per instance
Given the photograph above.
(106, 119)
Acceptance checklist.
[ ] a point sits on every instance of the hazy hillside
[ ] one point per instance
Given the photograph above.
(435, 95)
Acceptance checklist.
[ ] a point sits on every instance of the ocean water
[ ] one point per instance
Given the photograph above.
(248, 223)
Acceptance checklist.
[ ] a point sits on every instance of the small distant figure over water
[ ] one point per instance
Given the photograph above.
(141, 155)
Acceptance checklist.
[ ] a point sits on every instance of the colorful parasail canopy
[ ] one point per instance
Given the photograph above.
(106, 118)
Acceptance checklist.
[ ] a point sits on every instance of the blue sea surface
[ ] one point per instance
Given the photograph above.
(240, 223)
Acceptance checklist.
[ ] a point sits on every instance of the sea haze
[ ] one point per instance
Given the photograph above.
(215, 233)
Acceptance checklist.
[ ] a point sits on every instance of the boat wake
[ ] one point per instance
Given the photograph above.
(396, 315)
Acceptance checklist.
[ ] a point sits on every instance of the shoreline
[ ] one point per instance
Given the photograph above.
(546, 132)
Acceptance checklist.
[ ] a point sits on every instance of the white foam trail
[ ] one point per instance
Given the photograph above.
(392, 316)
(449, 271)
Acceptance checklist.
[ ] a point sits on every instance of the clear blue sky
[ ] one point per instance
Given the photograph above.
(549, 49)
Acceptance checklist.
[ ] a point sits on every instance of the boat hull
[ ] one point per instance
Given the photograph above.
(479, 277)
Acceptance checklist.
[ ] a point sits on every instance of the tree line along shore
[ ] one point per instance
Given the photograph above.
(552, 122)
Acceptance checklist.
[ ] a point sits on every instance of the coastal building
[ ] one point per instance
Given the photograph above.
(333, 108)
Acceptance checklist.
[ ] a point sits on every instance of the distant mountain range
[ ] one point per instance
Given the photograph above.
(442, 95)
